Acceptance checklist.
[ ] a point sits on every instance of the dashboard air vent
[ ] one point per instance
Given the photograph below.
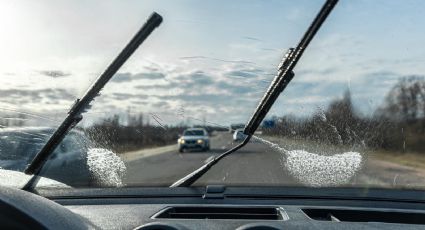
(340, 215)
(251, 213)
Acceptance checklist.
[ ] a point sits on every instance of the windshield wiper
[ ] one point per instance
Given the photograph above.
(81, 105)
(284, 76)
(285, 70)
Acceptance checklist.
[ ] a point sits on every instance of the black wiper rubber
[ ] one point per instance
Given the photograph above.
(81, 105)
(285, 70)
(283, 77)
(195, 175)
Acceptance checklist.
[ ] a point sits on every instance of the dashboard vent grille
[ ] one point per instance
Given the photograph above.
(339, 215)
(251, 213)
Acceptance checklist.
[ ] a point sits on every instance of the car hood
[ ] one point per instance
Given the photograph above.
(187, 138)
(17, 179)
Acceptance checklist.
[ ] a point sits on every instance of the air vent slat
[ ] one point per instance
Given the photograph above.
(252, 213)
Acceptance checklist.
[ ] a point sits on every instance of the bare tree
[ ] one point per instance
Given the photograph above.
(406, 100)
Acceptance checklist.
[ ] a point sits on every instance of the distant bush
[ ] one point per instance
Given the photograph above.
(135, 135)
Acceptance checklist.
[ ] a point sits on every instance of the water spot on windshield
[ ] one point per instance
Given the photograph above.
(106, 166)
(318, 170)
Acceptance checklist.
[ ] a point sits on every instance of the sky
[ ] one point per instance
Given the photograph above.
(209, 60)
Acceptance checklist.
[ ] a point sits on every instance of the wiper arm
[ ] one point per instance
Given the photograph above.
(285, 70)
(81, 105)
(284, 76)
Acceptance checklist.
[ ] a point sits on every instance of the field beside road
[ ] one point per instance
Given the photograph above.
(255, 164)
(415, 160)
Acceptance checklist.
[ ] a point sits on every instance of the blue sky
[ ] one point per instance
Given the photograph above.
(209, 59)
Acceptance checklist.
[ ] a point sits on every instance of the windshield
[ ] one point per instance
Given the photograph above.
(193, 133)
(353, 115)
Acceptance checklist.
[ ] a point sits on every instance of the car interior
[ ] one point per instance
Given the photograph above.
(212, 207)
(232, 183)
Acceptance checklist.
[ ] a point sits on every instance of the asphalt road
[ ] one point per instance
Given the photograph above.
(255, 164)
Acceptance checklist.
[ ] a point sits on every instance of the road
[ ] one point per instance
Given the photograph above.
(255, 164)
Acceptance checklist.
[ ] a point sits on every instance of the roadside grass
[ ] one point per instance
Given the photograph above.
(416, 160)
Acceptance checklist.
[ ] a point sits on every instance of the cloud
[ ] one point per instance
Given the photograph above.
(244, 89)
(244, 73)
(199, 98)
(193, 57)
(156, 86)
(57, 94)
(198, 57)
(121, 77)
(40, 100)
(227, 93)
(35, 95)
(54, 73)
(161, 104)
(127, 96)
(128, 77)
(139, 102)
(183, 81)
(197, 78)
(321, 71)
(149, 76)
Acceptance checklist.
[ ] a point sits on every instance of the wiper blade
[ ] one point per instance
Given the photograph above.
(285, 70)
(195, 175)
(81, 105)
(281, 80)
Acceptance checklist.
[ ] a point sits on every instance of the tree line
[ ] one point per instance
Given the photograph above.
(397, 125)
(137, 132)
(133, 135)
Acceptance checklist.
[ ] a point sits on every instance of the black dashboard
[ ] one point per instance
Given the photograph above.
(187, 208)
(132, 216)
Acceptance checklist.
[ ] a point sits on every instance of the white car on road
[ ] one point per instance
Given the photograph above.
(194, 138)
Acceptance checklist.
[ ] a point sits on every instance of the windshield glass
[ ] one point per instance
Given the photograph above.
(353, 116)
(193, 133)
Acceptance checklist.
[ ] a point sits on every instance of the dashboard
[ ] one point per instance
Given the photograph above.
(102, 209)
